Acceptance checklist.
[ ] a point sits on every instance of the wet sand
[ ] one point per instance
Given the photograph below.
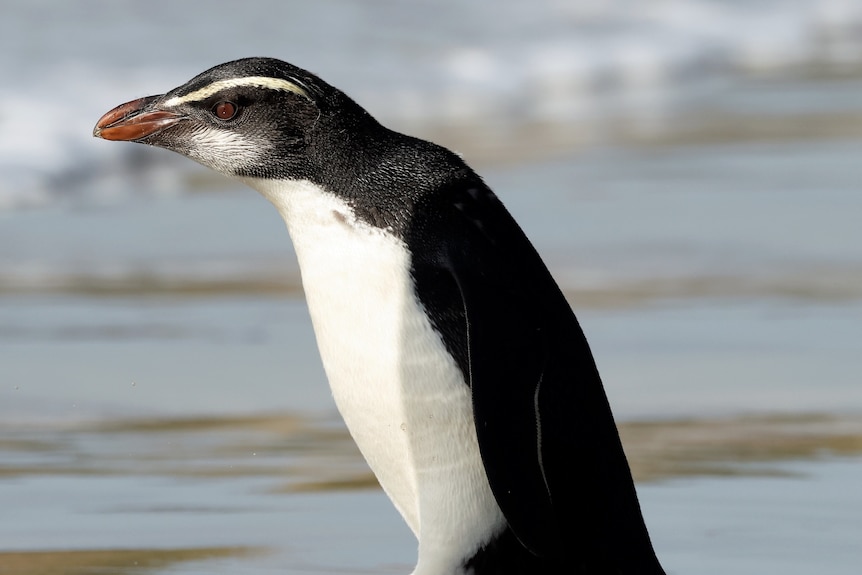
(315, 454)
(115, 562)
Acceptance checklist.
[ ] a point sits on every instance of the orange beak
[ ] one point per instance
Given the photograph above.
(134, 120)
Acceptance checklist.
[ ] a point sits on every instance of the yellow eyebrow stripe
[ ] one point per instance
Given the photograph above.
(256, 81)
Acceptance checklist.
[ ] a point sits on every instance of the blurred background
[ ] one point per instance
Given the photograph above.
(689, 169)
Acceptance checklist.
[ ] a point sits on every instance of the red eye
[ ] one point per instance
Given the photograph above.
(225, 110)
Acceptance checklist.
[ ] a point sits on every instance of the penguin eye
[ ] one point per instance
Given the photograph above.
(225, 110)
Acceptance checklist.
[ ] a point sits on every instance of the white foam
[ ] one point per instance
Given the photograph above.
(577, 64)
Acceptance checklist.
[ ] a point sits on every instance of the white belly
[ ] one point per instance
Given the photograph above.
(400, 393)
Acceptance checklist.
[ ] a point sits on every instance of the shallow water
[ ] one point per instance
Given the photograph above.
(708, 279)
(699, 299)
(749, 525)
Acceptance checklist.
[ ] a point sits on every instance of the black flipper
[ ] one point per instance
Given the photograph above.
(546, 433)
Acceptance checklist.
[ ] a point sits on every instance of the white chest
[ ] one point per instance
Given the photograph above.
(400, 393)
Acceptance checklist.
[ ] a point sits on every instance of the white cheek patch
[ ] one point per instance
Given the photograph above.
(225, 150)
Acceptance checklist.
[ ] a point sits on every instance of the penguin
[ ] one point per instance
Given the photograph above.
(453, 357)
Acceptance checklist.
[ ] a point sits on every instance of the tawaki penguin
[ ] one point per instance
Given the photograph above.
(453, 357)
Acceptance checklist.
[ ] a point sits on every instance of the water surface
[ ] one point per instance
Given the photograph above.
(688, 170)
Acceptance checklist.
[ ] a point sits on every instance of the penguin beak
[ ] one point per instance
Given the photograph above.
(135, 121)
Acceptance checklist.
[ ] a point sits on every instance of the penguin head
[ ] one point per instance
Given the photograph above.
(250, 118)
(272, 126)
